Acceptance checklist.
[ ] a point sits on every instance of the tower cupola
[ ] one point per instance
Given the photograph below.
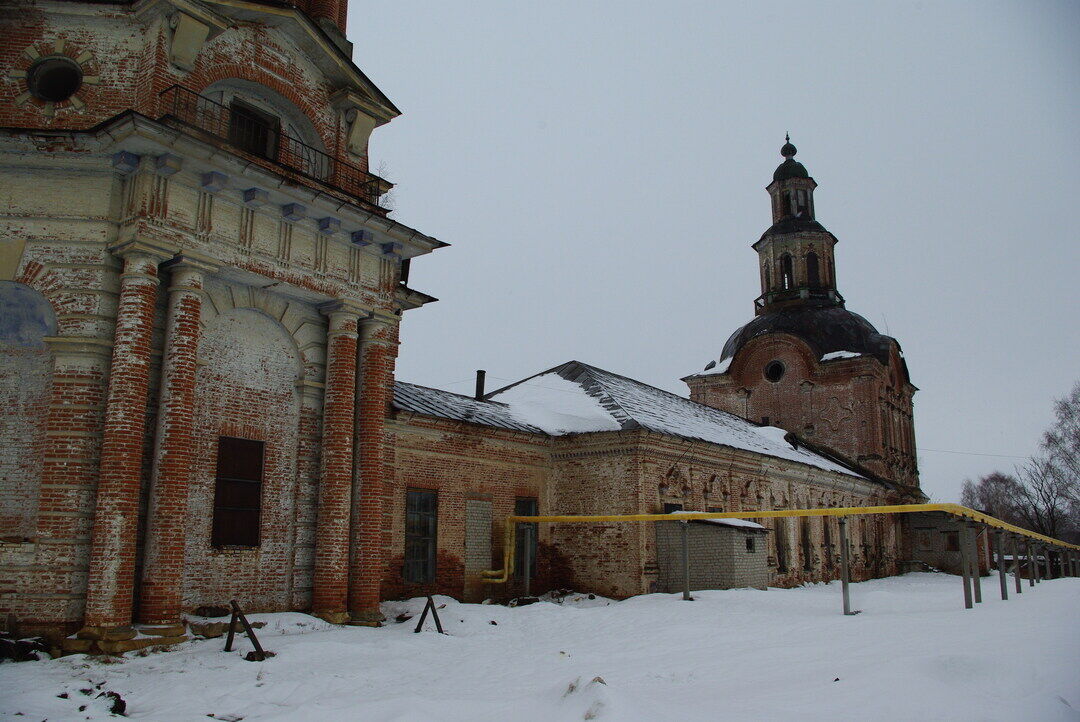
(796, 253)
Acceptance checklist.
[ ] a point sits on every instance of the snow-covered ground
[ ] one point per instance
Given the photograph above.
(914, 653)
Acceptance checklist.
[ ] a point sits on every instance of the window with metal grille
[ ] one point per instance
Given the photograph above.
(421, 508)
(525, 537)
(237, 493)
(252, 130)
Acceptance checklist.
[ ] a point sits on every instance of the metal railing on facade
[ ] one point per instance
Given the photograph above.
(1027, 544)
(248, 132)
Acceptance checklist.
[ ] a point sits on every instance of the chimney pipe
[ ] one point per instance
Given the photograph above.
(480, 374)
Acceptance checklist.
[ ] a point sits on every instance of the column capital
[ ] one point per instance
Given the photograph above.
(345, 306)
(193, 260)
(156, 250)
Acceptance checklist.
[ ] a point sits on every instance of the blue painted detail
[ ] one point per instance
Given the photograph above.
(213, 181)
(293, 212)
(362, 238)
(167, 164)
(256, 197)
(329, 225)
(125, 161)
(25, 316)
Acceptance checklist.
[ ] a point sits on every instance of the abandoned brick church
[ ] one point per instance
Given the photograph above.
(200, 297)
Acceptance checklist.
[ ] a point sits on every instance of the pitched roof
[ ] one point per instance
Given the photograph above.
(447, 405)
(607, 401)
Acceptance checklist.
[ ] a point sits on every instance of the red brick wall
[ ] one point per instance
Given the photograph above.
(461, 461)
(246, 387)
(857, 406)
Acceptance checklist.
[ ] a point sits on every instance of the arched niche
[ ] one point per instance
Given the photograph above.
(246, 389)
(26, 319)
(293, 120)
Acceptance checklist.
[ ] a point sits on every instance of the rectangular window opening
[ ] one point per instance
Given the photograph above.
(252, 130)
(750, 544)
(525, 537)
(237, 493)
(421, 511)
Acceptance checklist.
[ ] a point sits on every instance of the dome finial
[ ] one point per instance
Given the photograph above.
(788, 150)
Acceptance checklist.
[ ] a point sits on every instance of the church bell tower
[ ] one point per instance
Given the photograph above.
(805, 363)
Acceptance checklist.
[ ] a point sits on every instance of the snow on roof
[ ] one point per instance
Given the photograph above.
(840, 354)
(716, 367)
(586, 398)
(447, 405)
(744, 523)
(557, 406)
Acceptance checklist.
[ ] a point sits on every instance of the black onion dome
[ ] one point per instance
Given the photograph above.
(825, 330)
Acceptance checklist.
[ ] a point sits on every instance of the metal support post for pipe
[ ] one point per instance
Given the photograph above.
(965, 564)
(528, 561)
(975, 558)
(1016, 563)
(845, 566)
(999, 549)
(1030, 563)
(686, 561)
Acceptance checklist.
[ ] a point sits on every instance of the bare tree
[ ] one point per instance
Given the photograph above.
(1044, 493)
(996, 494)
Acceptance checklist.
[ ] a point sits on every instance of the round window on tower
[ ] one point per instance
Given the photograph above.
(774, 371)
(54, 79)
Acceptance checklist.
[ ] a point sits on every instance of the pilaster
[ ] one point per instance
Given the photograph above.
(110, 584)
(331, 580)
(378, 354)
(174, 449)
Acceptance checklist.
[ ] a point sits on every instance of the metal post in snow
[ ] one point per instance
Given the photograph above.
(528, 559)
(965, 565)
(1001, 565)
(845, 570)
(1030, 562)
(976, 570)
(1038, 564)
(686, 561)
(1016, 563)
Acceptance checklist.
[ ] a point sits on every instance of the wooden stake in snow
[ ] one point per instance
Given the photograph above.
(259, 654)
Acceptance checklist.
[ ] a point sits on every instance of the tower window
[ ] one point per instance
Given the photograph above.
(787, 275)
(774, 371)
(785, 204)
(237, 493)
(54, 79)
(802, 203)
(813, 273)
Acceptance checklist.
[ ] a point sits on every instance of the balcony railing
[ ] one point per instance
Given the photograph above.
(248, 131)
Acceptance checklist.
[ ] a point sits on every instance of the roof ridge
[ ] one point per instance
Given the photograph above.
(594, 388)
(467, 397)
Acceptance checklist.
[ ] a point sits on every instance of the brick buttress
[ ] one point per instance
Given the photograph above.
(174, 449)
(110, 586)
(331, 581)
(378, 352)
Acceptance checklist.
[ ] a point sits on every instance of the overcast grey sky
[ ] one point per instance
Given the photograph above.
(600, 169)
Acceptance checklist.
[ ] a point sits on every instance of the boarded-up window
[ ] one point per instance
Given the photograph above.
(421, 508)
(237, 492)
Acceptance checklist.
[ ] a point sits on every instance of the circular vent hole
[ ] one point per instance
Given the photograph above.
(54, 79)
(774, 371)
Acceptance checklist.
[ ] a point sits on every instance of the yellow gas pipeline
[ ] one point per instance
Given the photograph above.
(501, 576)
